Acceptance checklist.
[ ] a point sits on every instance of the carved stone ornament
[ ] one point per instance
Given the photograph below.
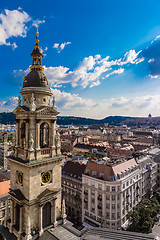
(32, 106)
(19, 101)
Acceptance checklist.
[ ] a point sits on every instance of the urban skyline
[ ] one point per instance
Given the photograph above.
(100, 58)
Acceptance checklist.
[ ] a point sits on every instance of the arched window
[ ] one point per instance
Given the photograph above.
(44, 135)
(23, 135)
(47, 215)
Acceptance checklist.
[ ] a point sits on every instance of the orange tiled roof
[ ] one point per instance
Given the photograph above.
(4, 187)
(107, 170)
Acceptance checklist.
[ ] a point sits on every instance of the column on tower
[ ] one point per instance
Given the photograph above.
(40, 219)
(21, 220)
(53, 132)
(11, 215)
(17, 132)
(27, 133)
(54, 214)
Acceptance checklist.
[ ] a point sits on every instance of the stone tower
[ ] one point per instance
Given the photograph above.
(35, 190)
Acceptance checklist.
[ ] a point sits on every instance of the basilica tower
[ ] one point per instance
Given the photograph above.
(35, 190)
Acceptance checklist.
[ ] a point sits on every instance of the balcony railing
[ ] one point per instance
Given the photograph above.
(45, 151)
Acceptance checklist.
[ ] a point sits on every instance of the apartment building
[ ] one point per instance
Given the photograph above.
(72, 190)
(109, 192)
(154, 152)
(148, 168)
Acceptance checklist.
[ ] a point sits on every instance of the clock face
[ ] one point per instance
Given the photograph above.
(20, 177)
(46, 177)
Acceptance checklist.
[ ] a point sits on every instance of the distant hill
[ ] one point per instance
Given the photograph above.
(9, 118)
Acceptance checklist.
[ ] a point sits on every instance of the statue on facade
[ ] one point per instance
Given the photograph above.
(32, 106)
(31, 142)
(58, 141)
(53, 104)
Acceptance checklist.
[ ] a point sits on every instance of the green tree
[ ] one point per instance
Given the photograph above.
(144, 215)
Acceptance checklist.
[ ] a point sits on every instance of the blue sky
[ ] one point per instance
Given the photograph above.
(101, 57)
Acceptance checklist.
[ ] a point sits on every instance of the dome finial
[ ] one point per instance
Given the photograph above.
(37, 34)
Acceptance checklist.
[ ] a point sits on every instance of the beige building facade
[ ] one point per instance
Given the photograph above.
(110, 192)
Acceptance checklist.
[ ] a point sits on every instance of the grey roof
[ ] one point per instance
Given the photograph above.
(67, 232)
(5, 232)
(110, 234)
(36, 79)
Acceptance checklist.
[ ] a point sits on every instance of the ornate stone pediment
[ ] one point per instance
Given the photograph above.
(47, 110)
(20, 109)
(48, 194)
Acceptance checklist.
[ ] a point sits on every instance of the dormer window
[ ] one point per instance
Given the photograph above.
(88, 171)
(94, 173)
(101, 176)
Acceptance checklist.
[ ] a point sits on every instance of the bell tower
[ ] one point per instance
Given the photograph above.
(35, 190)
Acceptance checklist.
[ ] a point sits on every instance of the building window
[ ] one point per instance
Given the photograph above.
(93, 200)
(101, 176)
(113, 197)
(93, 210)
(113, 216)
(107, 197)
(123, 185)
(113, 206)
(107, 215)
(118, 188)
(94, 173)
(100, 186)
(93, 184)
(107, 189)
(113, 189)
(93, 193)
(88, 171)
(108, 206)
(86, 181)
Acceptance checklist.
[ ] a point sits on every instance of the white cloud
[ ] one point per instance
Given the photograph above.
(61, 46)
(14, 45)
(157, 38)
(154, 76)
(13, 24)
(66, 100)
(89, 70)
(56, 45)
(37, 22)
(130, 57)
(151, 60)
(93, 84)
(118, 71)
(75, 105)
(8, 105)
